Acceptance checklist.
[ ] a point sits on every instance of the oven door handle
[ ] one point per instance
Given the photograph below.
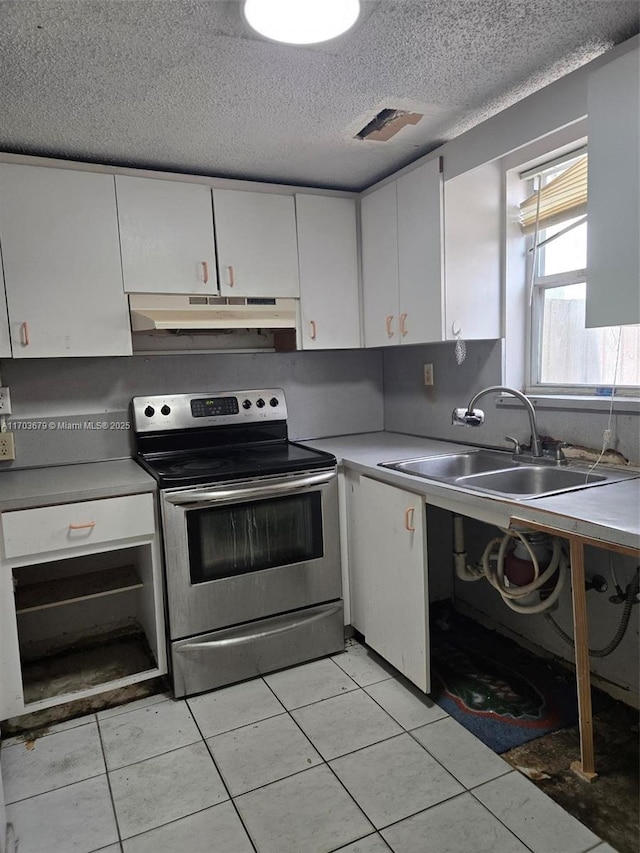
(288, 486)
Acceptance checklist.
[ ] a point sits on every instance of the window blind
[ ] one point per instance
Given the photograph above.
(564, 197)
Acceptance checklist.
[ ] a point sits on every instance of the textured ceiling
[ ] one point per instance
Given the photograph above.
(182, 85)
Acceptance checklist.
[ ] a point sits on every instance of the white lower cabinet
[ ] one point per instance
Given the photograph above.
(81, 603)
(388, 574)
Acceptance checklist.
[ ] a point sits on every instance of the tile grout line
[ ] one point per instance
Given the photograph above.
(509, 769)
(53, 790)
(106, 769)
(20, 740)
(497, 817)
(222, 779)
(150, 757)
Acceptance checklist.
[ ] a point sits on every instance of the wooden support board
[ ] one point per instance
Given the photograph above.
(54, 593)
(585, 768)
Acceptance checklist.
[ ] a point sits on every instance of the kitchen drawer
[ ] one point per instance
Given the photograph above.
(76, 525)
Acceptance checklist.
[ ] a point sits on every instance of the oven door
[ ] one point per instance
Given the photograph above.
(244, 551)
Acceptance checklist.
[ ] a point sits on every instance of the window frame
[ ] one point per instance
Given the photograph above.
(536, 287)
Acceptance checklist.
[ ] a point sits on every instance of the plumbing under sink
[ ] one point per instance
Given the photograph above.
(494, 472)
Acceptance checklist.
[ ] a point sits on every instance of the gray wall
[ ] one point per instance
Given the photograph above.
(327, 393)
(411, 408)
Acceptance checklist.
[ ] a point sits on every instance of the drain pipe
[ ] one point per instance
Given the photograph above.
(463, 571)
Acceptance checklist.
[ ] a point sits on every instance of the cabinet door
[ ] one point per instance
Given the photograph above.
(5, 343)
(328, 260)
(379, 216)
(61, 254)
(420, 266)
(472, 217)
(256, 241)
(390, 566)
(166, 234)
(613, 260)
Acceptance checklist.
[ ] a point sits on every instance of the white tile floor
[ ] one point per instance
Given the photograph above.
(339, 754)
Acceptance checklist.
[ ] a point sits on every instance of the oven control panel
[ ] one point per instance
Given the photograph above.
(220, 408)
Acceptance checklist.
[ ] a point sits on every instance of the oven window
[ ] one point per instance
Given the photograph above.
(246, 537)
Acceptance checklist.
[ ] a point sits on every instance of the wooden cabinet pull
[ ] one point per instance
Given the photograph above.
(314, 330)
(25, 334)
(389, 321)
(403, 329)
(408, 519)
(232, 278)
(82, 526)
(205, 271)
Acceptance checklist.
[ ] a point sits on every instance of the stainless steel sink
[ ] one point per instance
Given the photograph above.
(497, 473)
(455, 464)
(528, 481)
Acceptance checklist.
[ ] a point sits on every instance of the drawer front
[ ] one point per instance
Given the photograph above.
(54, 528)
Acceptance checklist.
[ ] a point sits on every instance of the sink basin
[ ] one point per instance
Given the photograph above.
(455, 464)
(532, 480)
(497, 473)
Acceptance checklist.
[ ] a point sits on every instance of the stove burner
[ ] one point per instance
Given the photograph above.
(193, 466)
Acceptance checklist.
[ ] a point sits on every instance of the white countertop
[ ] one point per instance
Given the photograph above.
(609, 513)
(32, 487)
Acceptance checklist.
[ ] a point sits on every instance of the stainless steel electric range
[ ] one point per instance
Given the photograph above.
(250, 528)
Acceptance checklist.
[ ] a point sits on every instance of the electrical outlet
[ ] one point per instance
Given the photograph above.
(5, 402)
(7, 447)
(428, 374)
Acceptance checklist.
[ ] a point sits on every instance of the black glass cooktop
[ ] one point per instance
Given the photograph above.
(214, 465)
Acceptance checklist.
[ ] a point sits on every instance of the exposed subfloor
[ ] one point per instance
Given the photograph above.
(338, 754)
(78, 668)
(608, 806)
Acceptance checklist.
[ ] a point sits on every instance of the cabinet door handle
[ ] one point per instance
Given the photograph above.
(25, 334)
(314, 329)
(82, 526)
(408, 519)
(403, 329)
(389, 322)
(232, 278)
(205, 271)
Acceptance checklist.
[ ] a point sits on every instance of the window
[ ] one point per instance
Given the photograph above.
(565, 356)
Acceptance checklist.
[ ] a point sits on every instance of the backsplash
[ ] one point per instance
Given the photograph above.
(79, 404)
(411, 408)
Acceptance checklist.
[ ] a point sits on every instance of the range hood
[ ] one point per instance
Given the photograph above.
(151, 311)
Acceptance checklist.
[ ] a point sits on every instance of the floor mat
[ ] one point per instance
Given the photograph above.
(499, 691)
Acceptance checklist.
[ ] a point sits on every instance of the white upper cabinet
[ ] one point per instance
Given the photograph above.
(613, 259)
(257, 244)
(379, 214)
(328, 260)
(402, 259)
(61, 255)
(166, 235)
(5, 342)
(472, 221)
(420, 254)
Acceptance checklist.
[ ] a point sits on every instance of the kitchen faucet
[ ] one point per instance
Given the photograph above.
(475, 417)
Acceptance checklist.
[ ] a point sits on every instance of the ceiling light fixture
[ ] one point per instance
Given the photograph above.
(301, 21)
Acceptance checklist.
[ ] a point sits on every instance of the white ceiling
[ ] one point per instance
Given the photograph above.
(183, 85)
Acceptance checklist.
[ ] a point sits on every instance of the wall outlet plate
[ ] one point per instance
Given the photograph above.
(5, 402)
(428, 374)
(7, 447)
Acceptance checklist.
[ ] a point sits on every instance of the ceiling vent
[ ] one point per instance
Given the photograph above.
(386, 124)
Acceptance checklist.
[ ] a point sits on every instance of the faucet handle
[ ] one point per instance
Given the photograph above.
(517, 450)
